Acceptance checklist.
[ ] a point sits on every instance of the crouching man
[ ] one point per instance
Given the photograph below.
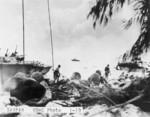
(96, 79)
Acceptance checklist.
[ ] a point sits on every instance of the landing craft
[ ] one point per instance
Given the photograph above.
(14, 63)
(10, 65)
(75, 60)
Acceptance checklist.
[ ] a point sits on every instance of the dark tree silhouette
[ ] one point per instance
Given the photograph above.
(103, 11)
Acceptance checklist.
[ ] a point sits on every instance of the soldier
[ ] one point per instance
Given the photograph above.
(107, 71)
(96, 79)
(57, 74)
(102, 79)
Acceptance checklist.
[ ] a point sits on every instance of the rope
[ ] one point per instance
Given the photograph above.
(51, 34)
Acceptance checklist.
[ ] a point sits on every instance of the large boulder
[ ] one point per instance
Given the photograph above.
(38, 76)
(24, 88)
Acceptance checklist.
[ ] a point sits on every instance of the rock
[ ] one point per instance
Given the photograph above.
(24, 88)
(38, 76)
(20, 74)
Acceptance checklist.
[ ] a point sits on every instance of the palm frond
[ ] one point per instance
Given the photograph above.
(103, 10)
(142, 9)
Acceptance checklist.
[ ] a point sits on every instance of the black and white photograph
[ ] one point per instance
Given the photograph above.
(74, 58)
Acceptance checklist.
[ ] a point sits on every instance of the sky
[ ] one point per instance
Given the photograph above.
(73, 34)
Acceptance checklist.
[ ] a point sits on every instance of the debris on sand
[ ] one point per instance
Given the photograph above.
(129, 90)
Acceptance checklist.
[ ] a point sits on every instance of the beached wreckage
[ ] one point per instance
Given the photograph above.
(78, 92)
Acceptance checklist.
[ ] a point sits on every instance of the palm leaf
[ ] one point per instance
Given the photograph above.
(103, 11)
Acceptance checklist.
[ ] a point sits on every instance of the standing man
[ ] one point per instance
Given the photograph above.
(57, 74)
(107, 71)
